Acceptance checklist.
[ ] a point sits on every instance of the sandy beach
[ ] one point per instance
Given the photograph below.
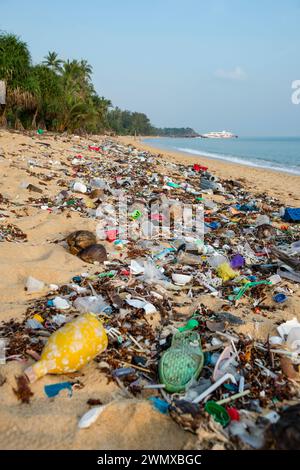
(128, 422)
(48, 424)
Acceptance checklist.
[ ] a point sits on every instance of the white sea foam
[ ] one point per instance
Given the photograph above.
(240, 160)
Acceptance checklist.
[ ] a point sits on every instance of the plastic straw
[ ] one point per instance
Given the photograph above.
(233, 397)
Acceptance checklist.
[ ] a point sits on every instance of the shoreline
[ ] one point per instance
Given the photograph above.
(255, 179)
(247, 163)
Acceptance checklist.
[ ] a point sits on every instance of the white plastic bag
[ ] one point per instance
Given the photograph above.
(90, 304)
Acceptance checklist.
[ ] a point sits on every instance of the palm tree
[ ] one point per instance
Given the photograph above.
(16, 71)
(15, 59)
(53, 62)
(86, 68)
(58, 94)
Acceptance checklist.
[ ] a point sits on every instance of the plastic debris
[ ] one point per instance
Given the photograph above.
(292, 215)
(219, 413)
(92, 304)
(161, 405)
(80, 187)
(34, 285)
(181, 279)
(285, 328)
(147, 306)
(225, 271)
(60, 303)
(158, 281)
(54, 389)
(90, 417)
(279, 298)
(70, 347)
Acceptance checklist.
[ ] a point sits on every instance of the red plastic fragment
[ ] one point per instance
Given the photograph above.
(233, 413)
(198, 168)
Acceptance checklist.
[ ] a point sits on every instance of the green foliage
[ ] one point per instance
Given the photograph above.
(59, 95)
(52, 61)
(15, 61)
(126, 122)
(176, 132)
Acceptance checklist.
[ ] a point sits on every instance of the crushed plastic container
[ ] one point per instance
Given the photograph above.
(60, 303)
(34, 285)
(293, 339)
(92, 304)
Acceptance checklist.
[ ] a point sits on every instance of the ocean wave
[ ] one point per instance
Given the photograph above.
(242, 161)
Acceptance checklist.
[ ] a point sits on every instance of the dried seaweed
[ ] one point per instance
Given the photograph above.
(23, 392)
(12, 233)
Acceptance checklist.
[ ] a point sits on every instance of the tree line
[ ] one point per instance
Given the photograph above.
(59, 96)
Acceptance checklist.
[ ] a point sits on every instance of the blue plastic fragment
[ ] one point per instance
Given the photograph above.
(122, 371)
(163, 253)
(34, 324)
(207, 359)
(161, 405)
(279, 298)
(108, 310)
(213, 225)
(50, 303)
(231, 387)
(246, 207)
(54, 389)
(291, 215)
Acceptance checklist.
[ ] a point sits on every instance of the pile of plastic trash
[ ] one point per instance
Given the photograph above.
(163, 311)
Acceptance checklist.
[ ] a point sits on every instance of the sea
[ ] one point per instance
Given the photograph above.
(276, 153)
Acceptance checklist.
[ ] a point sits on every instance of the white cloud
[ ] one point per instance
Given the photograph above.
(235, 74)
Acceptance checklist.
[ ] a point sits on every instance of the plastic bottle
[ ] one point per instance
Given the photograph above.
(70, 347)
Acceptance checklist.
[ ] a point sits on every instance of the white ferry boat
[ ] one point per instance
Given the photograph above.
(219, 135)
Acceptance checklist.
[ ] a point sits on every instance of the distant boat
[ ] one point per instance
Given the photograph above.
(219, 135)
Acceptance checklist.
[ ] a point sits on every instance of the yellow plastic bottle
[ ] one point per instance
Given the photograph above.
(70, 347)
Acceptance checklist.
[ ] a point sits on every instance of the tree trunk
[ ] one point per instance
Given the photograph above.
(3, 120)
(33, 123)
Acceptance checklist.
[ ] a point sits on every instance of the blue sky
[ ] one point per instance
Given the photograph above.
(211, 65)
